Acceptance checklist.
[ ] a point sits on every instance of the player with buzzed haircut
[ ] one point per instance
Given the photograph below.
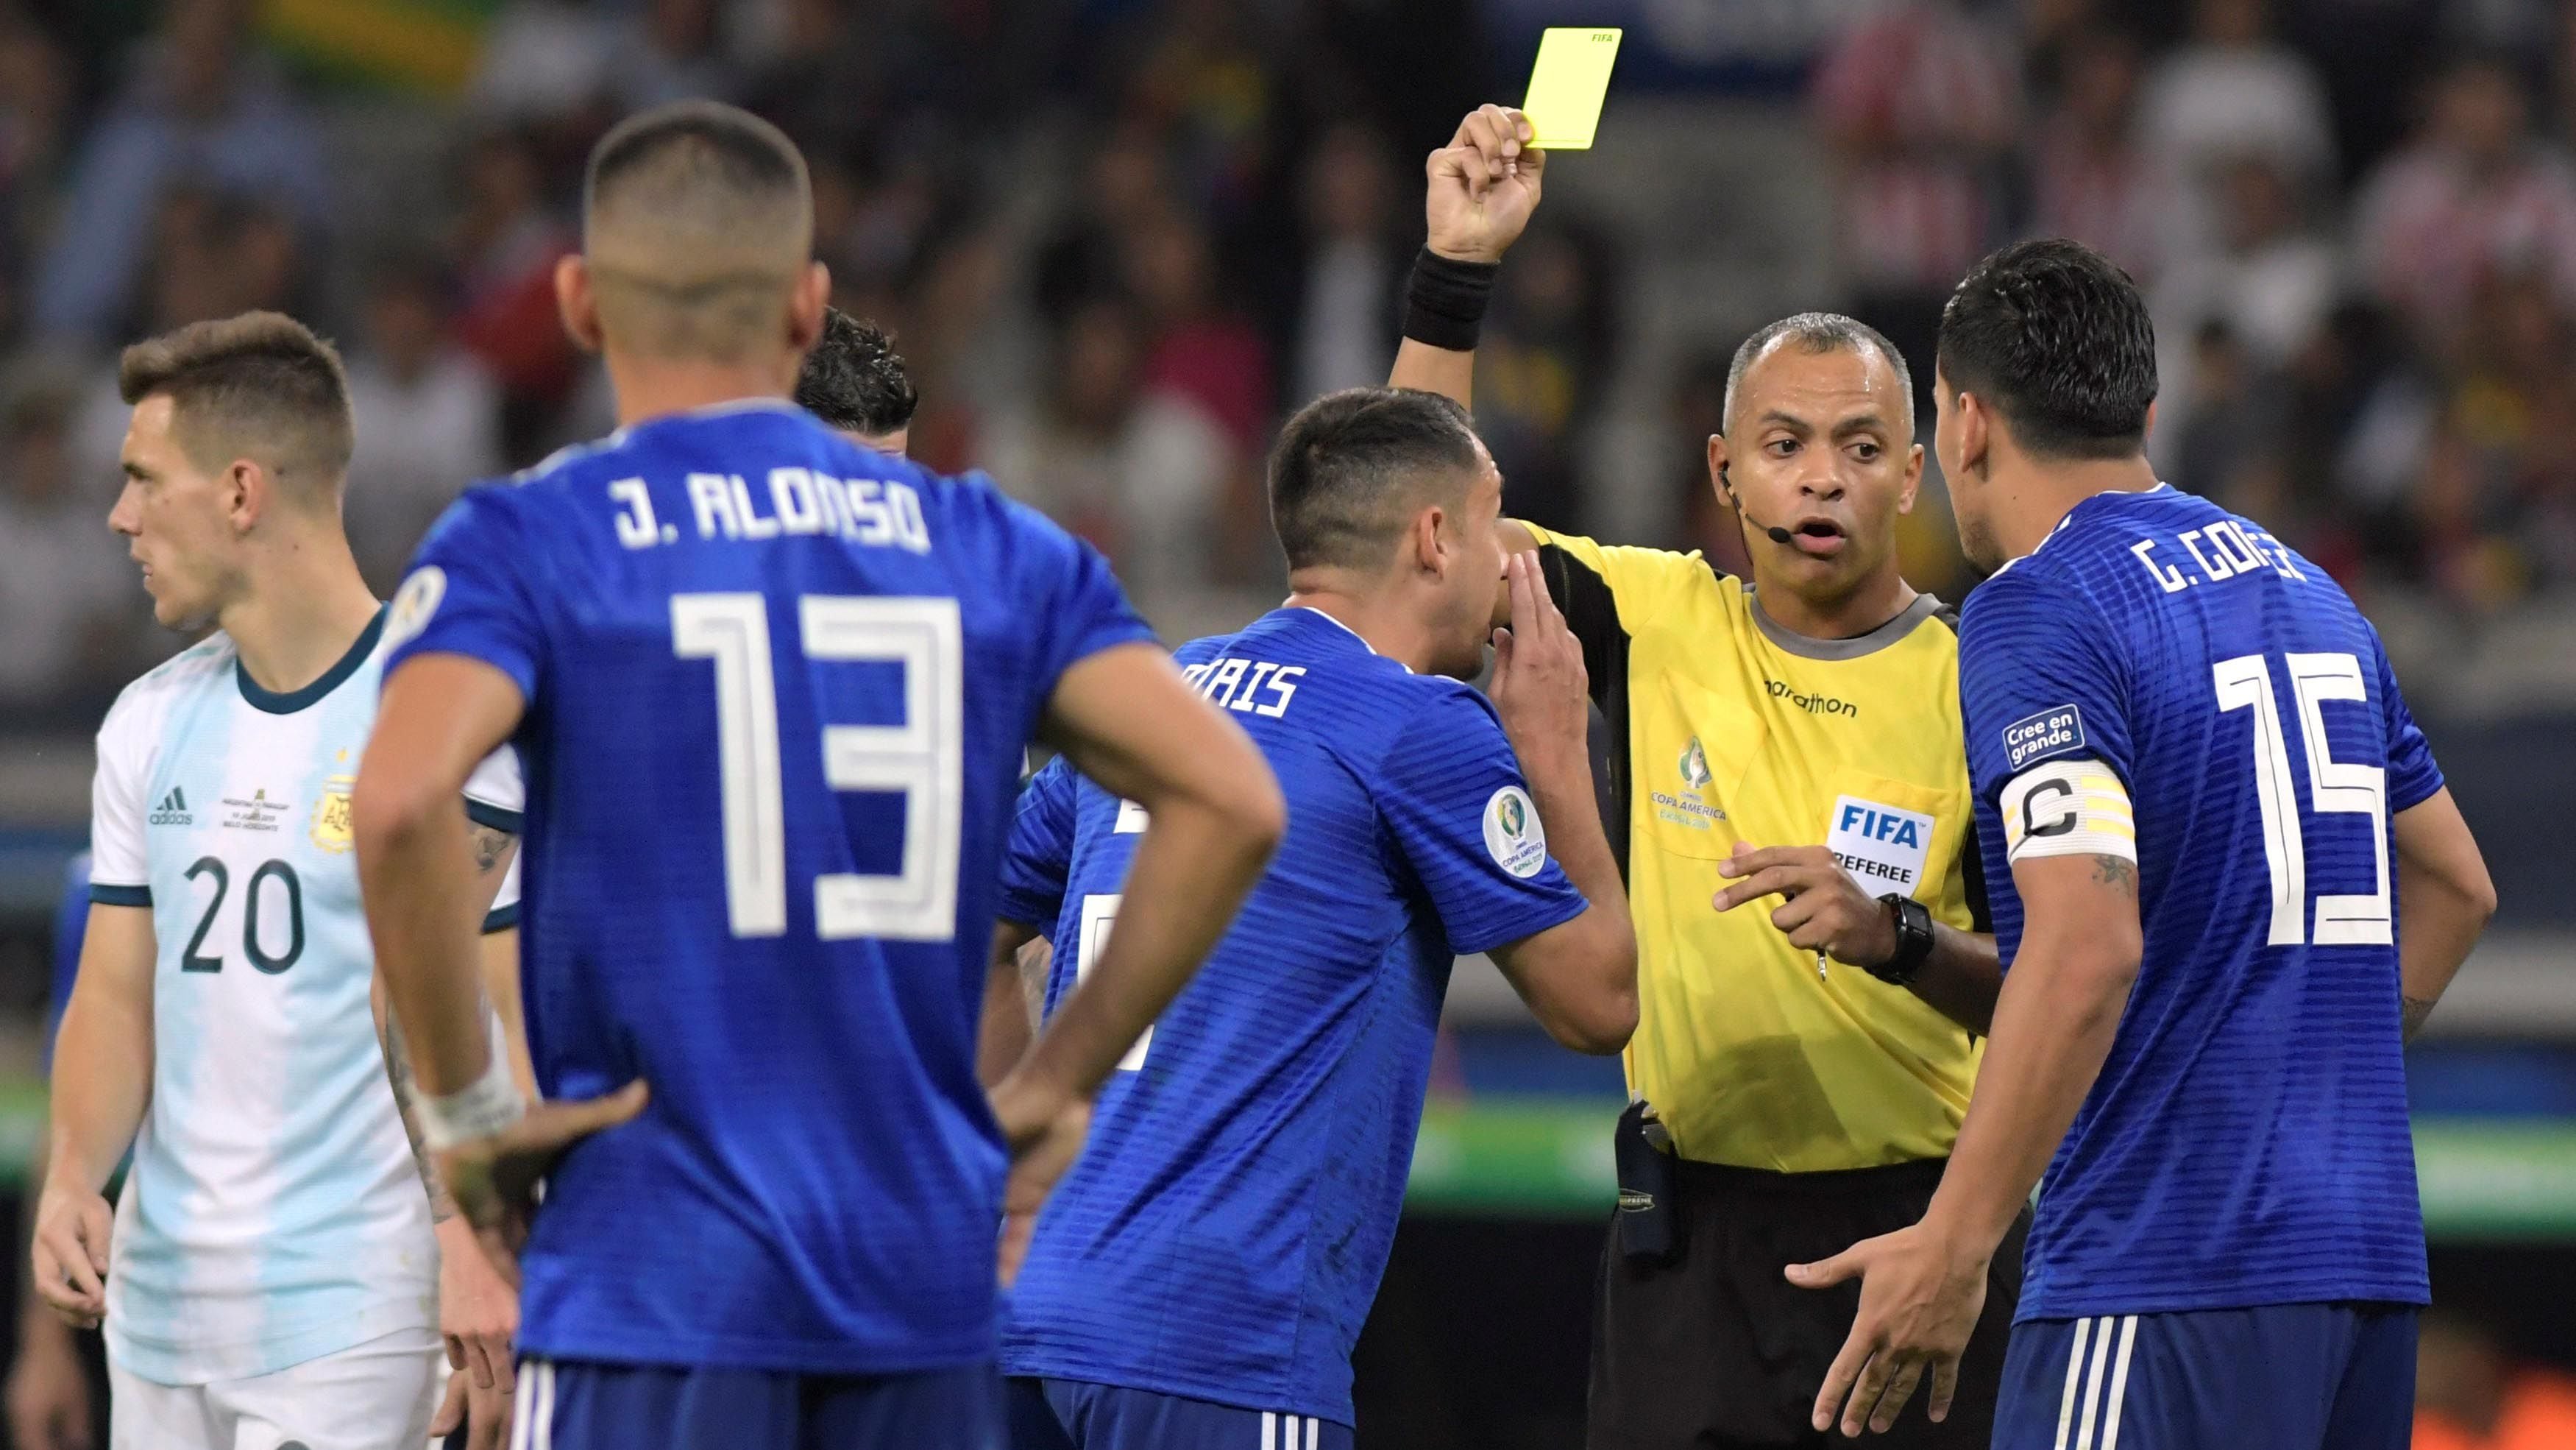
(772, 690)
(274, 1273)
(1201, 1277)
(855, 381)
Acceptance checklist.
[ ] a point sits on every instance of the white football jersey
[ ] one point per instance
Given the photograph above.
(273, 1213)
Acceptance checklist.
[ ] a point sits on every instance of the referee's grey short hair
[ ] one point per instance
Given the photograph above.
(1823, 332)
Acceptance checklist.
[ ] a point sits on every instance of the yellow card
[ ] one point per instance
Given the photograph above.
(1568, 85)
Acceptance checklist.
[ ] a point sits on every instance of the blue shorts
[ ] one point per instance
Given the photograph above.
(2285, 1377)
(1049, 1414)
(577, 1405)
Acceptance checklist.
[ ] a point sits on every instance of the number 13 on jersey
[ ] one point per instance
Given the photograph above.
(923, 758)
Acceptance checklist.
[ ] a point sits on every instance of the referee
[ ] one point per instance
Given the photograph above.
(1792, 810)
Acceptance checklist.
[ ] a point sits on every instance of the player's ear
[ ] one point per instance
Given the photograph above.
(246, 491)
(1913, 478)
(805, 304)
(2150, 430)
(1976, 432)
(578, 304)
(1717, 478)
(1425, 549)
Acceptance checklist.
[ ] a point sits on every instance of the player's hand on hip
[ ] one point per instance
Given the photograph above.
(48, 1395)
(1043, 1131)
(1920, 1295)
(494, 1179)
(1539, 682)
(1483, 186)
(1826, 909)
(478, 1317)
(69, 1255)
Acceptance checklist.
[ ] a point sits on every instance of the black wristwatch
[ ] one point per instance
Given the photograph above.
(1913, 940)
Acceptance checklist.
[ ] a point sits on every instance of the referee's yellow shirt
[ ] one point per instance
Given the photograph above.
(1736, 730)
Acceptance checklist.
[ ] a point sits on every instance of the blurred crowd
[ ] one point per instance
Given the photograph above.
(1116, 239)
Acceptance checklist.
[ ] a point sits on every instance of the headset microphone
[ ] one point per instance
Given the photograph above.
(1778, 535)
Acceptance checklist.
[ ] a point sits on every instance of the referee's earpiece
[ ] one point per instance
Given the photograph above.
(1778, 535)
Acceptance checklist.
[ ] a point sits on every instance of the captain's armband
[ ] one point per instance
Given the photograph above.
(2070, 807)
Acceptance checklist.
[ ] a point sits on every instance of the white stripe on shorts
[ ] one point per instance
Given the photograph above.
(2092, 1385)
(1270, 1430)
(527, 1398)
(2119, 1382)
(545, 1413)
(2074, 1378)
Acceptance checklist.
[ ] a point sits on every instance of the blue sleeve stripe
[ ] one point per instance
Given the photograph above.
(102, 894)
(500, 918)
(493, 817)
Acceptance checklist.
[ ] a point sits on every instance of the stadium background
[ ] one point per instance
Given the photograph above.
(1118, 239)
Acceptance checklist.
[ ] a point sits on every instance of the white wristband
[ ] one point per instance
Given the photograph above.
(489, 1104)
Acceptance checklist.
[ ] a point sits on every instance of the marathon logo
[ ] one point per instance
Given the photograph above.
(1883, 847)
(1812, 704)
(2032, 737)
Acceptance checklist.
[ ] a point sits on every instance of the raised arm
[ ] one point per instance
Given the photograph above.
(2444, 898)
(1480, 191)
(1578, 977)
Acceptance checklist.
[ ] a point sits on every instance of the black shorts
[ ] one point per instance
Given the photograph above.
(1717, 1350)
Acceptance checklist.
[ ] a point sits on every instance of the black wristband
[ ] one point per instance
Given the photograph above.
(1444, 303)
(1913, 922)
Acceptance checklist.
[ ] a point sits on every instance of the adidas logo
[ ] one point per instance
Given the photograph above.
(173, 810)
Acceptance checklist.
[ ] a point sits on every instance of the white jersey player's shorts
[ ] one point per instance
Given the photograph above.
(379, 1395)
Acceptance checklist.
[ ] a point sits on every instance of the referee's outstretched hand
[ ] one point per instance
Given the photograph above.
(1920, 1295)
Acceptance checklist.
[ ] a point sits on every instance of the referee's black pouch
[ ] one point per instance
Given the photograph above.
(1649, 1215)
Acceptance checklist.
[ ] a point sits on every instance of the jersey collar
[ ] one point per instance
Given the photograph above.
(2162, 490)
(1335, 623)
(288, 702)
(1808, 647)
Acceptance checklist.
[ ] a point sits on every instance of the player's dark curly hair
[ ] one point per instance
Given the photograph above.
(1352, 468)
(2055, 337)
(854, 379)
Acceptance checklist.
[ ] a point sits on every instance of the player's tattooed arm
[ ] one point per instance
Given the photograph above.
(2117, 872)
(491, 847)
(442, 1204)
(491, 850)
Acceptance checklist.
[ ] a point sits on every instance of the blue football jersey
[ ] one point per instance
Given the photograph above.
(777, 690)
(2247, 1142)
(1223, 1233)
